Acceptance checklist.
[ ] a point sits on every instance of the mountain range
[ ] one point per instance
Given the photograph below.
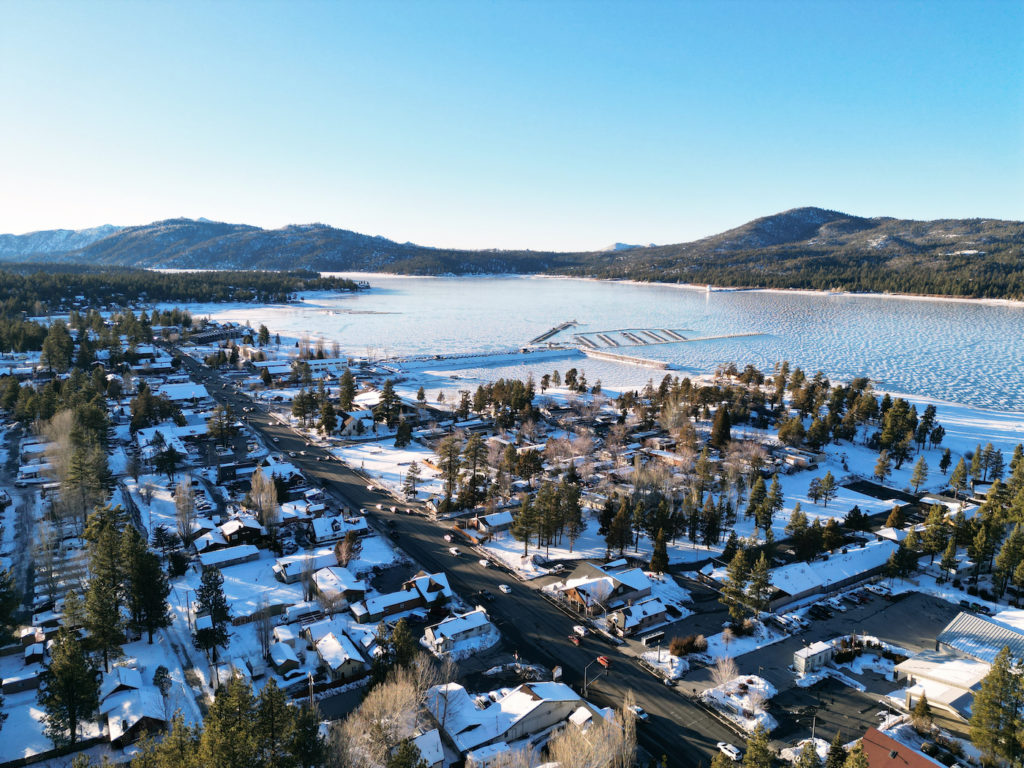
(800, 248)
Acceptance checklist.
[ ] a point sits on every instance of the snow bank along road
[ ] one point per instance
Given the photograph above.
(677, 728)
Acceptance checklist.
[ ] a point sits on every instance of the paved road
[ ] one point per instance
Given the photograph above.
(677, 728)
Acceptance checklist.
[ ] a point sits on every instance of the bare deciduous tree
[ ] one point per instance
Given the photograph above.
(724, 671)
(264, 627)
(262, 499)
(185, 509)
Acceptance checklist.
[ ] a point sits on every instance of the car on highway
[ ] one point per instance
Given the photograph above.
(574, 639)
(604, 661)
(640, 712)
(292, 454)
(276, 440)
(729, 751)
(448, 537)
(485, 594)
(484, 562)
(453, 551)
(505, 588)
(580, 630)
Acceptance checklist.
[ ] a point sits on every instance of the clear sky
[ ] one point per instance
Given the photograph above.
(562, 125)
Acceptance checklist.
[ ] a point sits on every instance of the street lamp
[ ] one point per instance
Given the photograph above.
(585, 682)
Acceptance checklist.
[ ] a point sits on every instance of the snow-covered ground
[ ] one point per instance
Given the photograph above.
(672, 667)
(742, 701)
(388, 465)
(725, 644)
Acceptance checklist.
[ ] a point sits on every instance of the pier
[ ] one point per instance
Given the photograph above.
(615, 357)
(557, 329)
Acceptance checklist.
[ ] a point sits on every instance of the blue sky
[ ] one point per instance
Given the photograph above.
(558, 125)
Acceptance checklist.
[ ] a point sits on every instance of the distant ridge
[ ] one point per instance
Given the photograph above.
(800, 248)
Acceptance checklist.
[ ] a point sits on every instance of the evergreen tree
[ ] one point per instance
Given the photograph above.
(883, 467)
(756, 500)
(935, 532)
(831, 537)
(732, 546)
(828, 488)
(808, 757)
(958, 480)
(524, 526)
(995, 714)
(150, 590)
(68, 689)
(328, 418)
(347, 390)
(734, 590)
(836, 753)
(406, 755)
(230, 737)
(659, 557)
(263, 337)
(103, 596)
(920, 473)
(945, 461)
(759, 753)
(949, 561)
(307, 744)
(412, 478)
(211, 603)
(720, 429)
(857, 758)
(9, 602)
(274, 728)
(760, 586)
(922, 714)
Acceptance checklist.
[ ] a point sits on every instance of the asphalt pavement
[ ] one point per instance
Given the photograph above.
(677, 728)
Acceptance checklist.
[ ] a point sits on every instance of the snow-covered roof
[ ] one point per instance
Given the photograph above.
(497, 519)
(429, 745)
(456, 625)
(236, 524)
(282, 653)
(470, 727)
(125, 709)
(633, 615)
(178, 392)
(293, 565)
(337, 649)
(336, 579)
(983, 638)
(432, 586)
(229, 555)
(798, 578)
(326, 528)
(120, 677)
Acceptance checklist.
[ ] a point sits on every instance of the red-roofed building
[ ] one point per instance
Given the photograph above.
(885, 752)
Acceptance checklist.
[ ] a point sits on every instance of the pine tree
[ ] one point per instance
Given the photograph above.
(732, 546)
(273, 728)
(836, 753)
(759, 753)
(958, 480)
(307, 744)
(760, 586)
(920, 473)
(263, 338)
(68, 690)
(734, 590)
(945, 461)
(412, 478)
(9, 602)
(857, 758)
(406, 755)
(103, 596)
(525, 524)
(828, 488)
(347, 390)
(883, 467)
(211, 603)
(328, 418)
(808, 757)
(229, 737)
(995, 714)
(659, 557)
(949, 561)
(150, 590)
(756, 500)
(922, 714)
(720, 429)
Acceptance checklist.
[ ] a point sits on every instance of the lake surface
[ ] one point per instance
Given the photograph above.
(966, 352)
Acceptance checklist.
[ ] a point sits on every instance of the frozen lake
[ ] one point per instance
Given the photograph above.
(966, 352)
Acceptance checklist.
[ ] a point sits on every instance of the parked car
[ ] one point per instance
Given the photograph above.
(505, 588)
(729, 751)
(981, 608)
(604, 661)
(580, 630)
(448, 537)
(835, 603)
(484, 562)
(486, 595)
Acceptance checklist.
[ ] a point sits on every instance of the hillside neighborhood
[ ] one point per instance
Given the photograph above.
(203, 522)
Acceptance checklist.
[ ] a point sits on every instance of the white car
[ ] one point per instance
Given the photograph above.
(729, 751)
(637, 710)
(484, 562)
(580, 630)
(505, 588)
(453, 551)
(836, 604)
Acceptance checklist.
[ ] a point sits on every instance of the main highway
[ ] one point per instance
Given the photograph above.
(676, 727)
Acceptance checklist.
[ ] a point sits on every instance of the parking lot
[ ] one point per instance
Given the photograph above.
(910, 621)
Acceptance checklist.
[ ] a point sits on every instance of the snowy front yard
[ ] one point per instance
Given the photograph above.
(742, 700)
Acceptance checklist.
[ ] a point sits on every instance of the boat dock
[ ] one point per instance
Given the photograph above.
(615, 357)
(556, 330)
(643, 337)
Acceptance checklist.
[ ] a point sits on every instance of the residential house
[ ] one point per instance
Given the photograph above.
(446, 635)
(338, 585)
(638, 617)
(595, 589)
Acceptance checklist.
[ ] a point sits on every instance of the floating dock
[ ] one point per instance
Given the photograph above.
(557, 329)
(615, 357)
